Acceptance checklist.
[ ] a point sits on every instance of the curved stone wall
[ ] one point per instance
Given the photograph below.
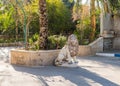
(33, 58)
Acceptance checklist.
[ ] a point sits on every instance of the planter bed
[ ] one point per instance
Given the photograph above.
(33, 58)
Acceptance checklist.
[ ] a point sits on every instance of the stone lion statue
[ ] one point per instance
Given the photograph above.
(69, 52)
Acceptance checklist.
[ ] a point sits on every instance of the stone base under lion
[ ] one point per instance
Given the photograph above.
(69, 65)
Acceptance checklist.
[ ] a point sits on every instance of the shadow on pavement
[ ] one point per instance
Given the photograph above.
(106, 61)
(77, 76)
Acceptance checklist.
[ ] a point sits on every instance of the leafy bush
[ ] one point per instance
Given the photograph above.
(6, 18)
(83, 35)
(56, 41)
(34, 42)
(59, 17)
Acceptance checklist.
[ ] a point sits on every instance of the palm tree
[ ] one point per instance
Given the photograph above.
(16, 20)
(115, 5)
(106, 8)
(93, 20)
(43, 24)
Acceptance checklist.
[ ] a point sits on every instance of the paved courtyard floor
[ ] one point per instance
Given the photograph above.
(92, 71)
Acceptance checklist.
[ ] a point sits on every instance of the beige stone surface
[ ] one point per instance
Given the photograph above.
(97, 46)
(110, 28)
(33, 58)
(47, 57)
(116, 40)
(106, 25)
(117, 25)
(116, 43)
(91, 49)
(92, 71)
(10, 77)
(84, 50)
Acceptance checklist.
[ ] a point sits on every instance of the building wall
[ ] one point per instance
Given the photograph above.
(106, 24)
(116, 41)
(110, 31)
(117, 25)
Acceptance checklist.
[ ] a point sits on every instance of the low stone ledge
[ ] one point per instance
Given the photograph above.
(84, 50)
(47, 57)
(33, 58)
(92, 48)
(11, 44)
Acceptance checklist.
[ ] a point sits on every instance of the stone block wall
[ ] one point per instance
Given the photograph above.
(116, 25)
(97, 46)
(110, 31)
(108, 44)
(47, 57)
(84, 50)
(116, 43)
(33, 58)
(91, 49)
(106, 24)
(116, 40)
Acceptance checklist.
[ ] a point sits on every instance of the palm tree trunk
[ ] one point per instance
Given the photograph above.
(93, 20)
(43, 24)
(106, 6)
(16, 21)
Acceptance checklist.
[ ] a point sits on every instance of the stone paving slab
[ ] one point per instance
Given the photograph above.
(92, 71)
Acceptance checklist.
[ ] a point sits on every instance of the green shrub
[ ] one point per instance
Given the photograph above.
(83, 35)
(59, 17)
(56, 41)
(34, 42)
